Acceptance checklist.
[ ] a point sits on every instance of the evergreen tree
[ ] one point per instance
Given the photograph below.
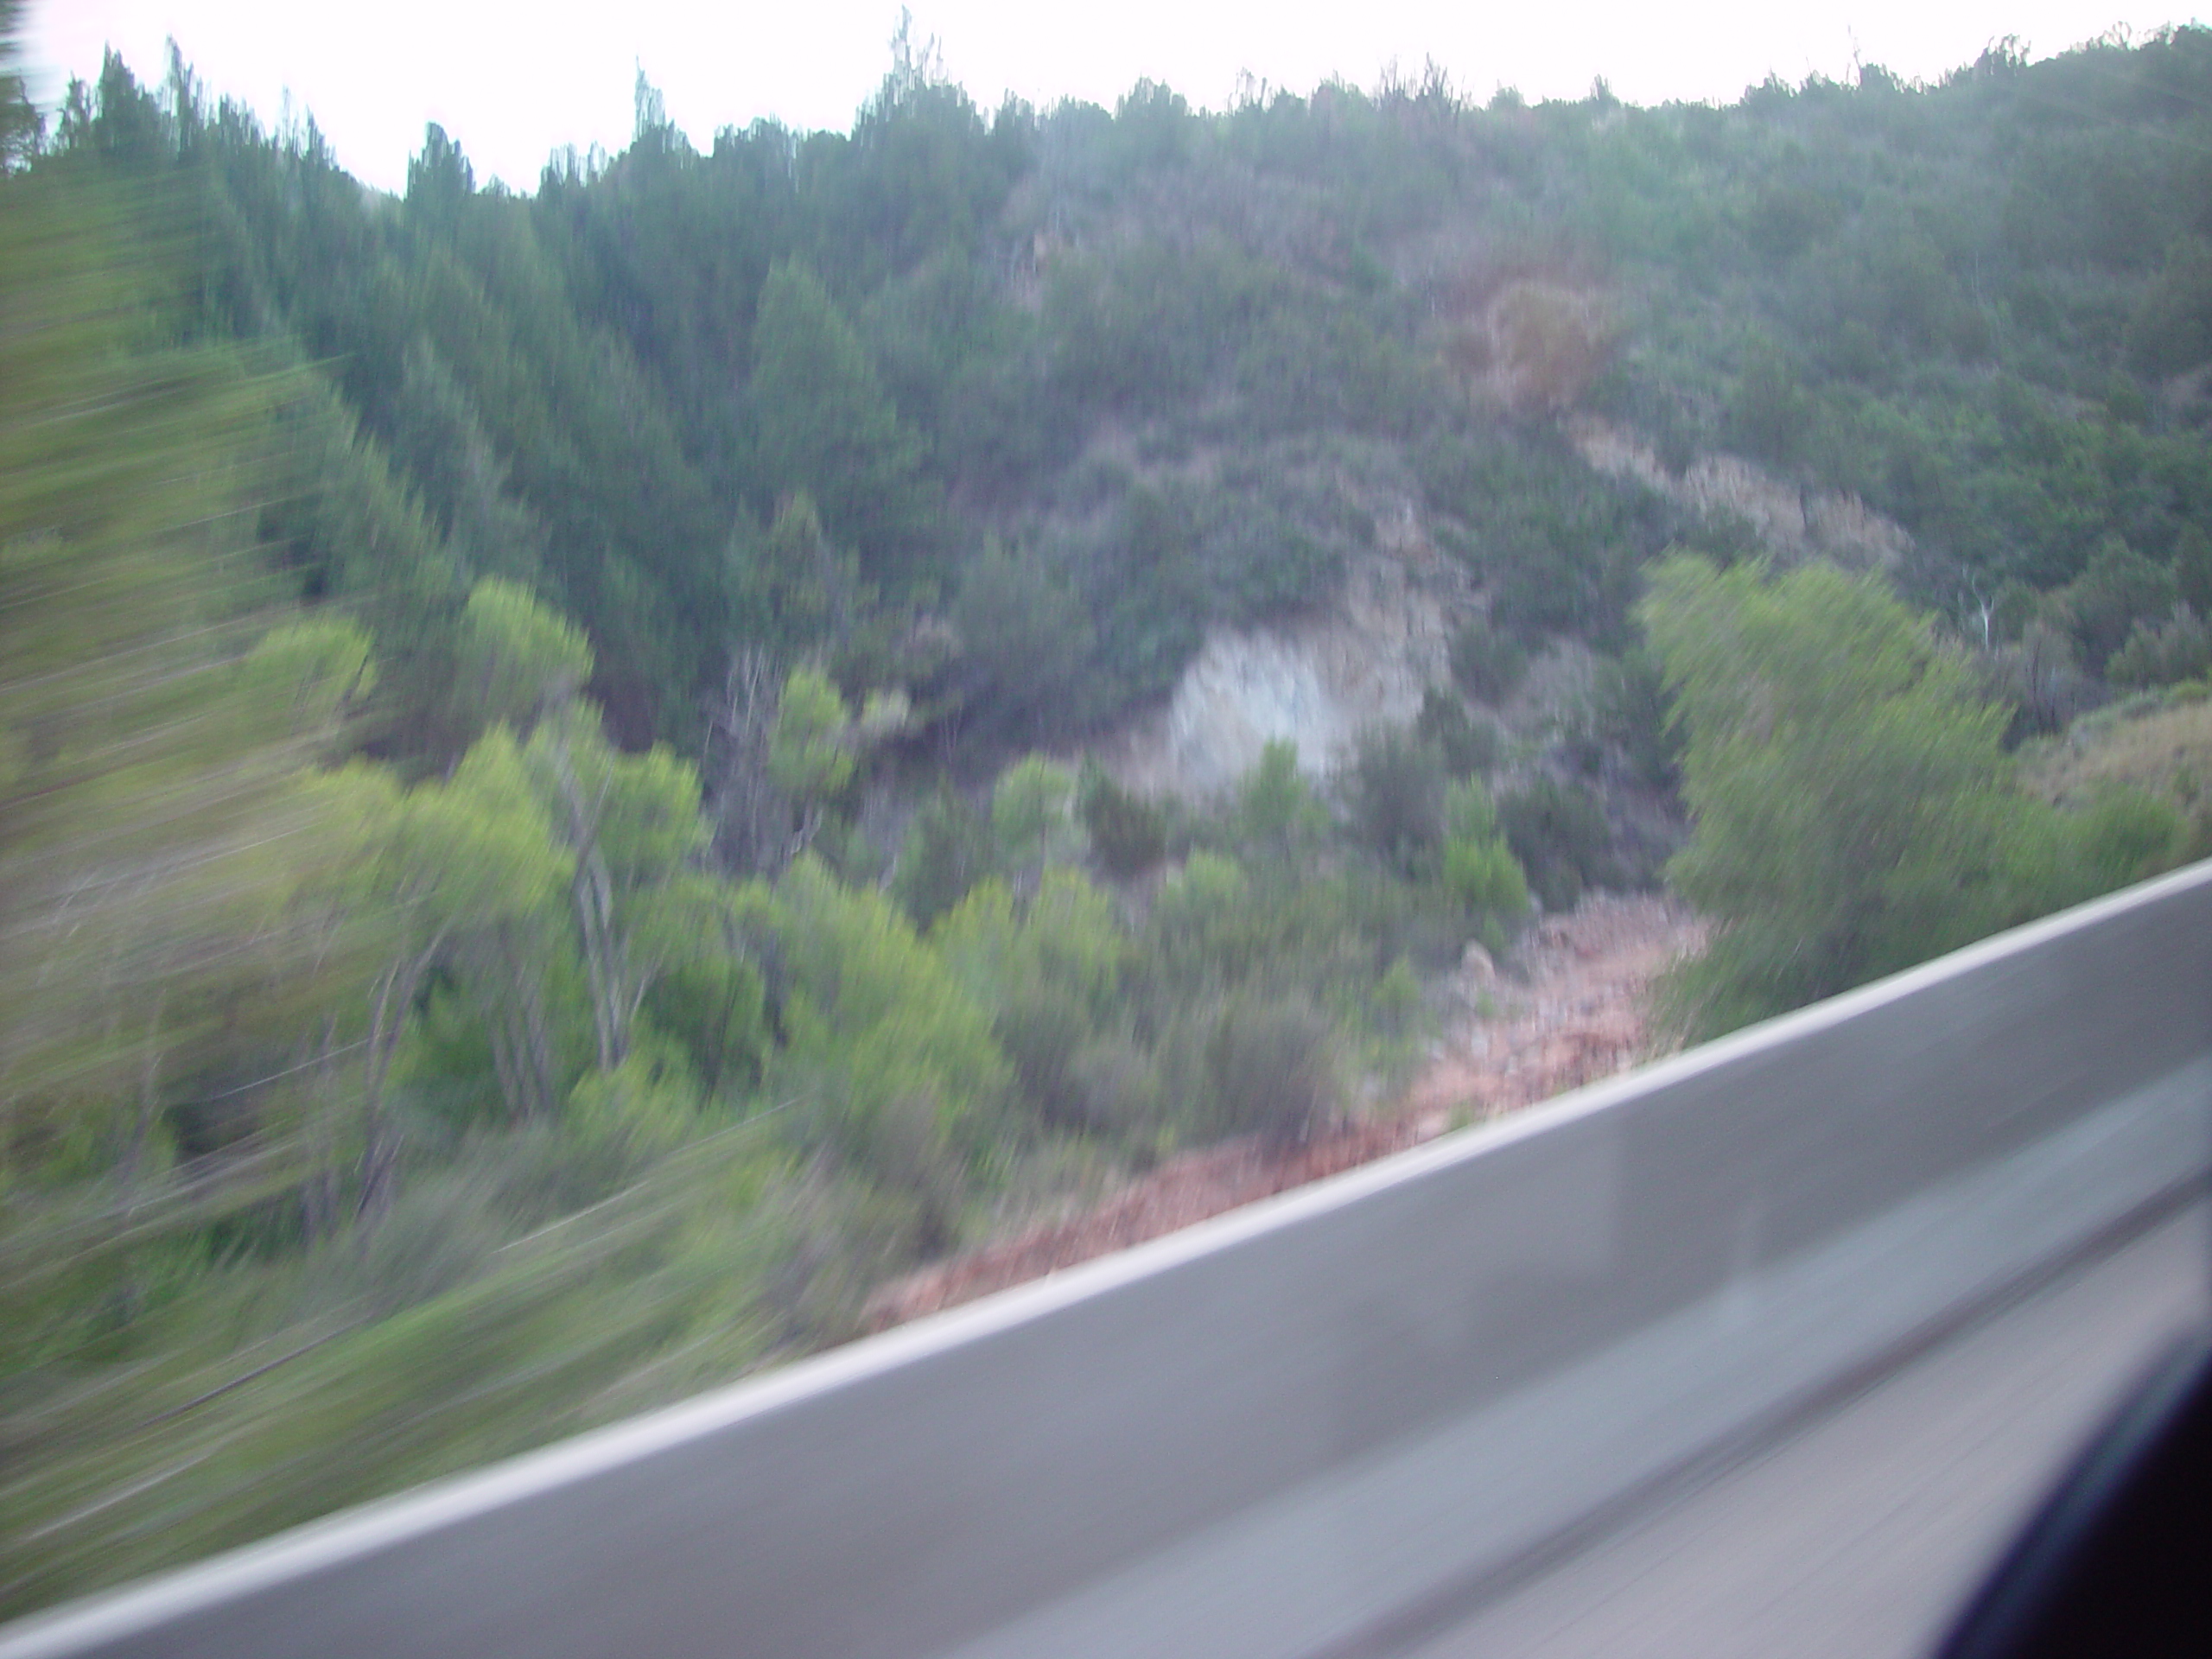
(824, 424)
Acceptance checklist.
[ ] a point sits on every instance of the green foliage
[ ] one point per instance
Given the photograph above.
(2118, 589)
(892, 1054)
(948, 849)
(2172, 329)
(517, 659)
(1272, 1067)
(961, 421)
(303, 680)
(1127, 832)
(1855, 813)
(1471, 745)
(1025, 645)
(2193, 568)
(2163, 653)
(1032, 815)
(1142, 324)
(1487, 880)
(1487, 664)
(2124, 835)
(1049, 969)
(648, 1103)
(1770, 416)
(810, 748)
(1560, 836)
(1276, 811)
(1558, 544)
(1631, 710)
(1395, 789)
(1479, 869)
(715, 1003)
(825, 425)
(795, 591)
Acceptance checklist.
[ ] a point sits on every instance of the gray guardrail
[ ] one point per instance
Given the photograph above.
(1278, 1430)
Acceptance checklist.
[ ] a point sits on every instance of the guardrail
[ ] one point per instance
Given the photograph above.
(1277, 1432)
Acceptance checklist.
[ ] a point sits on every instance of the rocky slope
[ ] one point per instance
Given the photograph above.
(1571, 1008)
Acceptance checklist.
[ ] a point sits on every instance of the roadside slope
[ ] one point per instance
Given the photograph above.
(1573, 1008)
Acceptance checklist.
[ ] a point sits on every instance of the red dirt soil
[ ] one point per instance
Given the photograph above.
(1571, 1008)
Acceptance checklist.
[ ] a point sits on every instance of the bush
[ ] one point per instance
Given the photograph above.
(1560, 834)
(1486, 879)
(1632, 711)
(1770, 416)
(1276, 811)
(1127, 832)
(1026, 647)
(2116, 590)
(1487, 664)
(714, 1006)
(2164, 654)
(2172, 329)
(947, 850)
(1271, 1065)
(1032, 815)
(1041, 1028)
(647, 1104)
(1116, 1087)
(1397, 791)
(2126, 834)
(1471, 746)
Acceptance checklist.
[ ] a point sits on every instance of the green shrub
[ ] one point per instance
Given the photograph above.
(1631, 710)
(713, 1006)
(2172, 329)
(2126, 834)
(1041, 1028)
(947, 850)
(1201, 924)
(1395, 789)
(1488, 664)
(1026, 647)
(2163, 653)
(1276, 811)
(1480, 868)
(1127, 832)
(1032, 815)
(1560, 834)
(1486, 879)
(647, 1104)
(1116, 1087)
(1772, 415)
(1471, 746)
(1272, 1067)
(2118, 589)
(1468, 813)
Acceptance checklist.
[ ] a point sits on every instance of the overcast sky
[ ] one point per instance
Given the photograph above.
(511, 82)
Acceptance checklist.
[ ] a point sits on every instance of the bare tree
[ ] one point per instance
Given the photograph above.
(752, 817)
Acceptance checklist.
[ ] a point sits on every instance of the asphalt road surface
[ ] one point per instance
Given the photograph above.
(1860, 1535)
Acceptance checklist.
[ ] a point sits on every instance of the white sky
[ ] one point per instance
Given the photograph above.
(512, 81)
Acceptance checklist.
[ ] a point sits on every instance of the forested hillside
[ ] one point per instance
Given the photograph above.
(546, 842)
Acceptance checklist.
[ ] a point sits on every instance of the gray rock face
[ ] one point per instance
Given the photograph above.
(1317, 681)
(1794, 524)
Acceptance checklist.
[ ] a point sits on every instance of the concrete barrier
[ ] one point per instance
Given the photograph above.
(1281, 1429)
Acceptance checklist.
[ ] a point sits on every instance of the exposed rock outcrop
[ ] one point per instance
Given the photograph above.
(1795, 522)
(1319, 680)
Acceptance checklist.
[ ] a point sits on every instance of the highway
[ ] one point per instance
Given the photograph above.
(1856, 1535)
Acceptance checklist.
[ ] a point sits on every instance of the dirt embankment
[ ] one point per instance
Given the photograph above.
(1572, 1008)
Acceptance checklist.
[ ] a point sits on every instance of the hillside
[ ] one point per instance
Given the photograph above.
(590, 777)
